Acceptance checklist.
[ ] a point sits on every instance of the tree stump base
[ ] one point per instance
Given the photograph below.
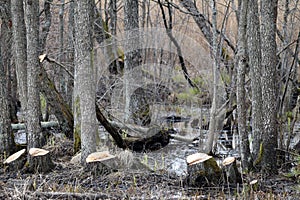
(231, 172)
(40, 161)
(41, 164)
(94, 163)
(98, 169)
(204, 173)
(16, 161)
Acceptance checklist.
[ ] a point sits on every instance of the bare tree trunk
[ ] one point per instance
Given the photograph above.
(61, 74)
(269, 85)
(19, 49)
(132, 56)
(241, 93)
(113, 16)
(85, 95)
(6, 43)
(215, 123)
(70, 55)
(254, 53)
(199, 19)
(33, 125)
(6, 138)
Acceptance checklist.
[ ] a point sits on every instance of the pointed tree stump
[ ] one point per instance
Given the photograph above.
(40, 161)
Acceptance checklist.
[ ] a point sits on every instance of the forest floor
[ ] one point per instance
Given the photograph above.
(165, 180)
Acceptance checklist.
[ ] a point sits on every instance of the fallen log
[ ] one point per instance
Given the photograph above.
(152, 143)
(21, 126)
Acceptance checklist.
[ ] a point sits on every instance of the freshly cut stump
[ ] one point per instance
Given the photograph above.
(16, 161)
(232, 174)
(203, 170)
(95, 163)
(40, 160)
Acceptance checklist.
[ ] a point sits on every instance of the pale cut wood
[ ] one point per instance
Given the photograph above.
(14, 156)
(37, 152)
(197, 158)
(99, 156)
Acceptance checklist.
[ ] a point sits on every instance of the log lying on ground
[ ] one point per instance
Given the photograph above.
(203, 170)
(143, 132)
(41, 161)
(22, 126)
(155, 142)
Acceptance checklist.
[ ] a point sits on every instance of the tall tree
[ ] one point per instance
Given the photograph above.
(132, 54)
(33, 115)
(216, 113)
(6, 138)
(269, 84)
(19, 49)
(84, 90)
(241, 97)
(254, 52)
(70, 54)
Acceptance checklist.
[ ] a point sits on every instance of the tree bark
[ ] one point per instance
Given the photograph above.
(6, 137)
(57, 105)
(19, 49)
(132, 55)
(85, 95)
(241, 92)
(70, 56)
(269, 85)
(33, 107)
(199, 19)
(215, 119)
(254, 53)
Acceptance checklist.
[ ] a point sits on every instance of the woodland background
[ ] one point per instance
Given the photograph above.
(153, 70)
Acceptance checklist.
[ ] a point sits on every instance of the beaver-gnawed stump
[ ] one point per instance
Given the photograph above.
(95, 163)
(40, 160)
(232, 174)
(203, 170)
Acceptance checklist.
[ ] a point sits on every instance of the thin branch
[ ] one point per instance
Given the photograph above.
(178, 48)
(196, 13)
(51, 60)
